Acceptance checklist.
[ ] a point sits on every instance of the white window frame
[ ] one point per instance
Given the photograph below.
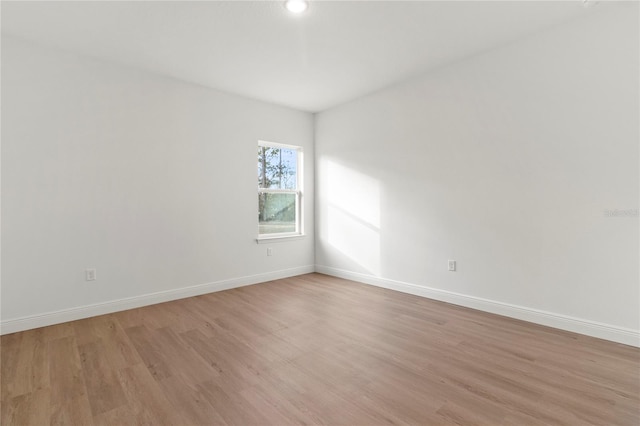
(299, 232)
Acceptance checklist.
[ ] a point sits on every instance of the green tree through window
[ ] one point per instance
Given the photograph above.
(278, 189)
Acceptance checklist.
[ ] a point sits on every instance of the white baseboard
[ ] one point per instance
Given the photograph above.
(72, 314)
(563, 322)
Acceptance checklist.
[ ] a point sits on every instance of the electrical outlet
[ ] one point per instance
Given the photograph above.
(269, 251)
(452, 265)
(90, 274)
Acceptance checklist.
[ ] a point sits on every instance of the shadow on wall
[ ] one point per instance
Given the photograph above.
(353, 216)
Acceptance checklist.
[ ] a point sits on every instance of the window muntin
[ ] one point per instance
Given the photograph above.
(279, 190)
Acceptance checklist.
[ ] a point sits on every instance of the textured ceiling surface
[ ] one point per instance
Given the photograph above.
(335, 52)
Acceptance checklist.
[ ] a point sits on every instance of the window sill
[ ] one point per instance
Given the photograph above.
(279, 238)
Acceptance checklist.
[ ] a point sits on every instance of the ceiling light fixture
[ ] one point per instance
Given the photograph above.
(296, 6)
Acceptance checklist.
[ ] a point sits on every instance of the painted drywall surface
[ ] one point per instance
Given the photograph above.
(505, 162)
(149, 180)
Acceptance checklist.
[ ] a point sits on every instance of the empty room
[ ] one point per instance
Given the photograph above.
(320, 212)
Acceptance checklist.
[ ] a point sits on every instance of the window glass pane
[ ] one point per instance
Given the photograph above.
(276, 213)
(277, 168)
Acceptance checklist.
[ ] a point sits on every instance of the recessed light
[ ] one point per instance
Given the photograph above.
(296, 6)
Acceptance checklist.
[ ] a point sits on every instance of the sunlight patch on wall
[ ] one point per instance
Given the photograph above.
(353, 216)
(355, 193)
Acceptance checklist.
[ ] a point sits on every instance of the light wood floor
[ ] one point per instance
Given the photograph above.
(314, 350)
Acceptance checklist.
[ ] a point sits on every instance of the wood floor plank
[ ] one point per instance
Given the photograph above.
(58, 331)
(330, 404)
(183, 360)
(150, 351)
(27, 364)
(75, 411)
(10, 385)
(314, 349)
(103, 389)
(193, 405)
(66, 378)
(106, 329)
(120, 416)
(29, 409)
(232, 408)
(237, 365)
(277, 408)
(148, 403)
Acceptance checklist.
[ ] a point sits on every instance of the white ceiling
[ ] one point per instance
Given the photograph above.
(335, 52)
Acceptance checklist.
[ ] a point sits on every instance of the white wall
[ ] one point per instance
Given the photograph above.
(147, 179)
(504, 162)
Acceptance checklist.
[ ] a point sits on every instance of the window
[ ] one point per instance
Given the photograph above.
(279, 190)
